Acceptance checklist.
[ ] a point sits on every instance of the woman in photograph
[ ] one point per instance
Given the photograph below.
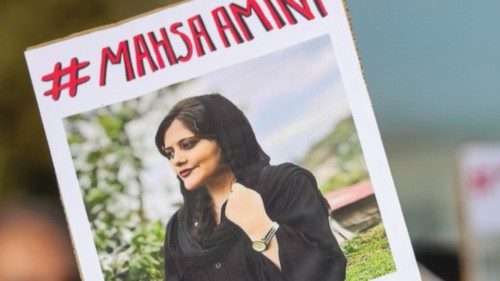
(242, 218)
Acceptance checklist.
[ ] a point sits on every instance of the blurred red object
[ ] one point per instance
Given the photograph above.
(349, 195)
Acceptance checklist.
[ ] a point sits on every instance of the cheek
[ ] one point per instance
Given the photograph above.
(210, 158)
(211, 161)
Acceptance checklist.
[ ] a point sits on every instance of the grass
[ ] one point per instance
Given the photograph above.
(368, 255)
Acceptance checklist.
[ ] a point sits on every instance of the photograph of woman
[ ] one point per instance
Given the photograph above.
(242, 218)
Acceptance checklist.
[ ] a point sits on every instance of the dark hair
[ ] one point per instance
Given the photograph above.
(193, 114)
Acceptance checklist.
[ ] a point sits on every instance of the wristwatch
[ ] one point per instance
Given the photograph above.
(262, 244)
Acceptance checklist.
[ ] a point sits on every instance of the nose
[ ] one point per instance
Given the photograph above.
(179, 158)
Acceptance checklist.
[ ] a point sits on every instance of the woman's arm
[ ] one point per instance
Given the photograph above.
(308, 249)
(304, 247)
(170, 273)
(170, 269)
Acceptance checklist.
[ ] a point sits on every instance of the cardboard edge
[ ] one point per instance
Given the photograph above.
(358, 53)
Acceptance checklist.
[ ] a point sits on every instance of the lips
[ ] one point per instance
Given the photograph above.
(185, 172)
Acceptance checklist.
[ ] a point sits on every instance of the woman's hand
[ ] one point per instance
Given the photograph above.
(246, 209)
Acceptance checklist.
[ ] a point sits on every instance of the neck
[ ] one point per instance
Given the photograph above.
(220, 188)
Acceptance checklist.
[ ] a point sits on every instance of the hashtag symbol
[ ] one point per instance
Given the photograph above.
(71, 72)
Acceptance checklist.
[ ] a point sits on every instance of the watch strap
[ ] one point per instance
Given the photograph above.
(269, 235)
(262, 245)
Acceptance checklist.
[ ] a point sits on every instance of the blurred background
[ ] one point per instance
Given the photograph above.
(430, 69)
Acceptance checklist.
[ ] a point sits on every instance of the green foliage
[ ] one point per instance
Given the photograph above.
(128, 244)
(368, 255)
(146, 258)
(341, 151)
(340, 180)
(112, 125)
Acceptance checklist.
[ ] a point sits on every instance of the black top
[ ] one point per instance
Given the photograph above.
(307, 247)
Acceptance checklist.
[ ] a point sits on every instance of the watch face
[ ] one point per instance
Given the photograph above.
(259, 246)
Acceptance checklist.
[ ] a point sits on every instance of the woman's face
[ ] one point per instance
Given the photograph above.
(195, 160)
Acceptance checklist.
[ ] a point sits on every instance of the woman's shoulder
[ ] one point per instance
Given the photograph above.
(286, 177)
(287, 184)
(285, 172)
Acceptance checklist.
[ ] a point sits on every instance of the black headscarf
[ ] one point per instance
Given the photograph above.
(246, 159)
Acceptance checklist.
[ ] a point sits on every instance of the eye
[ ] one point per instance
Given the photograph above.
(169, 153)
(188, 143)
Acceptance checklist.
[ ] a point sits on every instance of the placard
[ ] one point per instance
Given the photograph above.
(478, 166)
(292, 69)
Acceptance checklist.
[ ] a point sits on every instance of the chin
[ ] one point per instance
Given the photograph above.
(191, 185)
